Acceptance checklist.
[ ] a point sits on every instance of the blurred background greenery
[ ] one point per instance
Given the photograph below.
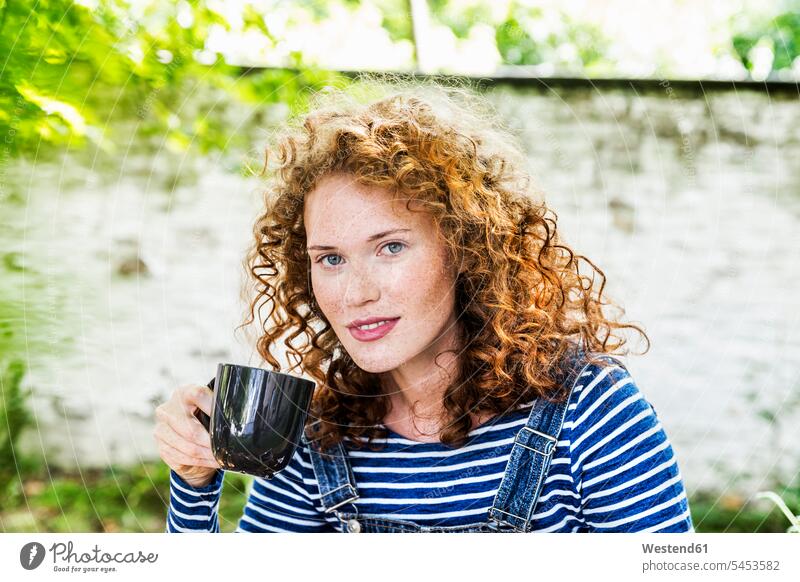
(72, 71)
(123, 76)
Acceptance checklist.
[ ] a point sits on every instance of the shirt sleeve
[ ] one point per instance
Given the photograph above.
(627, 474)
(289, 502)
(193, 509)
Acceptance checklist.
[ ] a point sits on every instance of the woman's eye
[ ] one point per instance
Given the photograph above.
(397, 246)
(322, 259)
(387, 245)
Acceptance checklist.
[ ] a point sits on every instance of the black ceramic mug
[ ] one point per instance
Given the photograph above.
(257, 418)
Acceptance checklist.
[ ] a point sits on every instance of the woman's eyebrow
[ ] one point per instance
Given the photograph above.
(373, 237)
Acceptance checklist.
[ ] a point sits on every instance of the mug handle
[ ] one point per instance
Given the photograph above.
(202, 416)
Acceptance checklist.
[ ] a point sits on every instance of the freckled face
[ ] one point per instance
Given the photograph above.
(402, 275)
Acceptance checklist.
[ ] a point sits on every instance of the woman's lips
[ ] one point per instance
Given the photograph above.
(368, 335)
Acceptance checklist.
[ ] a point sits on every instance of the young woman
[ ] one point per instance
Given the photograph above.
(465, 373)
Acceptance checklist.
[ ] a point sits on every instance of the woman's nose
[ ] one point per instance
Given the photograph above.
(361, 287)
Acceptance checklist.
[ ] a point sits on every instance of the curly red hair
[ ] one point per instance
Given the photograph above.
(520, 297)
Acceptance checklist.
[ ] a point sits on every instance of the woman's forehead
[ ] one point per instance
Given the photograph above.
(338, 190)
(347, 209)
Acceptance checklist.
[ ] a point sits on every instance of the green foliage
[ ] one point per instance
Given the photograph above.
(462, 17)
(59, 55)
(781, 35)
(529, 35)
(396, 20)
(516, 45)
(14, 418)
(785, 35)
(22, 341)
(571, 46)
(27, 335)
(715, 513)
(73, 74)
(133, 499)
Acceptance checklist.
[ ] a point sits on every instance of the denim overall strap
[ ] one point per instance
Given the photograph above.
(337, 485)
(531, 454)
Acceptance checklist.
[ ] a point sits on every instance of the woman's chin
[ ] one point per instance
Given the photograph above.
(373, 363)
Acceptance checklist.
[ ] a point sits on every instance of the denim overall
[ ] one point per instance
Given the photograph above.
(516, 496)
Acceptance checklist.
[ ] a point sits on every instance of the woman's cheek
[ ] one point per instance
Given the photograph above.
(325, 294)
(437, 282)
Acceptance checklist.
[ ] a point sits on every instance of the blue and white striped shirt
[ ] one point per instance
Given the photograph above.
(613, 470)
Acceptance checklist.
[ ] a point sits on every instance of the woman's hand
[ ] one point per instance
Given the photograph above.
(183, 443)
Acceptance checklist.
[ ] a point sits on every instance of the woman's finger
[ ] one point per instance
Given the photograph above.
(175, 458)
(188, 427)
(194, 396)
(164, 433)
